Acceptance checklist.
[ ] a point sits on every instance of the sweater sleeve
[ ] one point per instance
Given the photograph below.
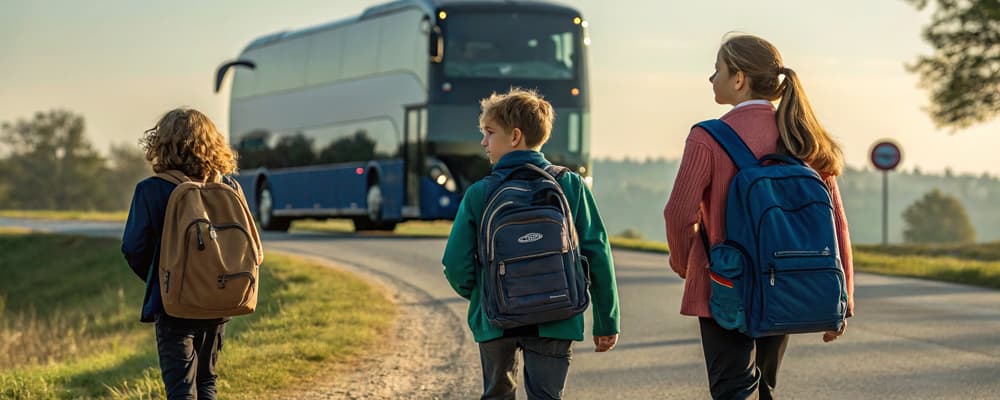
(683, 210)
(843, 240)
(594, 245)
(460, 252)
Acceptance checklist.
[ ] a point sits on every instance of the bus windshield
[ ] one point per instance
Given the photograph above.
(511, 46)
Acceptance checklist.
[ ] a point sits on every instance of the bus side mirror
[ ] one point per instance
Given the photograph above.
(436, 45)
(221, 72)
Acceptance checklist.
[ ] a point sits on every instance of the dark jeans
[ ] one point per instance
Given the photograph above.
(546, 363)
(187, 358)
(737, 363)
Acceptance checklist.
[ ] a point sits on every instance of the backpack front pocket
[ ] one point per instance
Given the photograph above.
(534, 283)
(727, 264)
(803, 293)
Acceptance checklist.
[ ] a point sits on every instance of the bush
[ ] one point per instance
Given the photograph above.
(937, 218)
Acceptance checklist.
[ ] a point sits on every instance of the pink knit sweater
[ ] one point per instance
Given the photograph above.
(701, 187)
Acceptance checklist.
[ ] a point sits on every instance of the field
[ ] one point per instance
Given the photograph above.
(69, 324)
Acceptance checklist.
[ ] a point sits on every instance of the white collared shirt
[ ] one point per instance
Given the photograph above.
(754, 101)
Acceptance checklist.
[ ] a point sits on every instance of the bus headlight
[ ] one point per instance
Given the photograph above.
(589, 180)
(438, 172)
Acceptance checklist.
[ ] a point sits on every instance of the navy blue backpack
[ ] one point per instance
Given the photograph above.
(778, 270)
(528, 251)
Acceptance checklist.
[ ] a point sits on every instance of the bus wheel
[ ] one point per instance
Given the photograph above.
(373, 221)
(265, 211)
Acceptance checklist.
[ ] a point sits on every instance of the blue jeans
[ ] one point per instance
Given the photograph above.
(546, 364)
(187, 358)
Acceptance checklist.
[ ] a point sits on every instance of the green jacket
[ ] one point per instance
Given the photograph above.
(460, 265)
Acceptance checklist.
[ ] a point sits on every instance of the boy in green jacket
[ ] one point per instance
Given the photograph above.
(515, 125)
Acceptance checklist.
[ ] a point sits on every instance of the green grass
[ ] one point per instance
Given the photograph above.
(111, 216)
(651, 246)
(69, 324)
(940, 268)
(973, 251)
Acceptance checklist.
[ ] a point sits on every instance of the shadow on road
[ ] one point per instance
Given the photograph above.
(326, 236)
(662, 343)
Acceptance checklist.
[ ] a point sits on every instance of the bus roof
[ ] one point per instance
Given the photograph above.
(427, 6)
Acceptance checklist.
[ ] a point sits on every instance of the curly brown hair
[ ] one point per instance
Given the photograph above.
(188, 141)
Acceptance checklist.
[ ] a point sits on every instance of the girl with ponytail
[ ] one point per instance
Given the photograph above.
(749, 75)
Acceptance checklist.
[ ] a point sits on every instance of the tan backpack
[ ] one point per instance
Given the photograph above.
(210, 251)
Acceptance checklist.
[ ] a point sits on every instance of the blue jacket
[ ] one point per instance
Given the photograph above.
(141, 240)
(141, 247)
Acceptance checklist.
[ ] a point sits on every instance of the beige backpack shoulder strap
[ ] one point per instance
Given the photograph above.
(173, 176)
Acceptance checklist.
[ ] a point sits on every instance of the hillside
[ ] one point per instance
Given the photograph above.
(632, 193)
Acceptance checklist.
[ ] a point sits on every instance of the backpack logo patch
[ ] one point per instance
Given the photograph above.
(530, 237)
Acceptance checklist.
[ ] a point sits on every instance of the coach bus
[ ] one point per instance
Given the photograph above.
(375, 117)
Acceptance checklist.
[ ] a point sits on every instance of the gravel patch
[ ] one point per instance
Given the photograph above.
(427, 355)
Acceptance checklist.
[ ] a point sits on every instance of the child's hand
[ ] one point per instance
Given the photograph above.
(605, 343)
(830, 336)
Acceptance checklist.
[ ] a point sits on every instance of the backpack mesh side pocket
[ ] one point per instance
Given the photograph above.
(727, 264)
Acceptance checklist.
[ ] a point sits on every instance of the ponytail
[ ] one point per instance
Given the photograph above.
(801, 135)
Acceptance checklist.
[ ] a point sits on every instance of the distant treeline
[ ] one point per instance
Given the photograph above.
(632, 193)
(47, 163)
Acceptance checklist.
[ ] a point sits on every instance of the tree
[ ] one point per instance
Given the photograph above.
(51, 165)
(358, 147)
(937, 218)
(293, 151)
(127, 166)
(963, 74)
(631, 233)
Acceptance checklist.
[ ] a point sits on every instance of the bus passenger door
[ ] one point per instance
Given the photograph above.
(414, 157)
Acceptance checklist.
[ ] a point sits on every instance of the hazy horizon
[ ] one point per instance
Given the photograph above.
(122, 64)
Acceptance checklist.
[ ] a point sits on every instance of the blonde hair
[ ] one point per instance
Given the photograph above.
(523, 109)
(801, 134)
(188, 141)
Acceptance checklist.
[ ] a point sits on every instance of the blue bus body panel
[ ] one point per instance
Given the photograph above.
(436, 202)
(330, 191)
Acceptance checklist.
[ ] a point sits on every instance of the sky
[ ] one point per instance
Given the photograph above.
(122, 64)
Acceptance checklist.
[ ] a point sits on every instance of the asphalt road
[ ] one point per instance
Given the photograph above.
(911, 339)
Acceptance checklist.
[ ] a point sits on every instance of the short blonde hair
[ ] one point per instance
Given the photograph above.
(523, 109)
(188, 141)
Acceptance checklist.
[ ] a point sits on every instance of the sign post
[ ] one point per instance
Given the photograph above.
(886, 156)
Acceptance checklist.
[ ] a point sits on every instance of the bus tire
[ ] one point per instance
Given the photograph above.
(374, 204)
(265, 211)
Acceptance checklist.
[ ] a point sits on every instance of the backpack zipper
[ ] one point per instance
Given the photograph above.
(489, 222)
(201, 242)
(494, 198)
(804, 253)
(503, 270)
(221, 281)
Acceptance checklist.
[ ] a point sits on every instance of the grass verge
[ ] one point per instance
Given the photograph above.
(939, 268)
(69, 324)
(111, 216)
